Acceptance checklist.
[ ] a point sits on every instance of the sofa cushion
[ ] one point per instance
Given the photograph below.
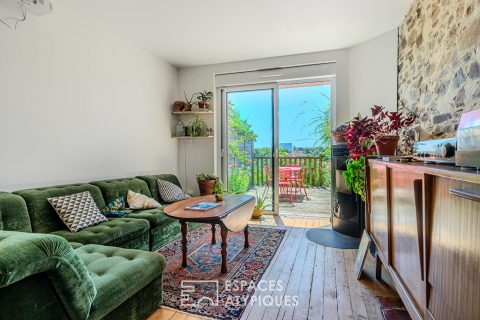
(114, 189)
(43, 217)
(77, 211)
(26, 254)
(139, 201)
(170, 192)
(151, 181)
(114, 232)
(13, 213)
(156, 217)
(118, 274)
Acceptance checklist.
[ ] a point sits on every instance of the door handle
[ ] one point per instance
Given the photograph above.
(469, 194)
(418, 190)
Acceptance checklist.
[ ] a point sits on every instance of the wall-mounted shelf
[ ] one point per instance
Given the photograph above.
(186, 137)
(182, 113)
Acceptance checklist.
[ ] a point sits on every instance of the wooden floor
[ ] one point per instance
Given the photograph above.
(321, 277)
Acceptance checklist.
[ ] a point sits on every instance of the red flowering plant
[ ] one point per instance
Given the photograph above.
(362, 135)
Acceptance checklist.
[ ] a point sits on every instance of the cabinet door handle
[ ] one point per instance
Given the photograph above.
(469, 194)
(418, 190)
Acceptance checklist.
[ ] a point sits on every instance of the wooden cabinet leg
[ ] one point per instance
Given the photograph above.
(224, 234)
(184, 243)
(378, 267)
(214, 241)
(245, 232)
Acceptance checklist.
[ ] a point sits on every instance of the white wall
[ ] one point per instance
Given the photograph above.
(373, 74)
(79, 103)
(200, 155)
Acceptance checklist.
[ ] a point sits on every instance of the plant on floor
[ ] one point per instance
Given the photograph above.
(204, 98)
(260, 203)
(197, 128)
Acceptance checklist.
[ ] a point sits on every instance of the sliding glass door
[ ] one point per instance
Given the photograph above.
(249, 142)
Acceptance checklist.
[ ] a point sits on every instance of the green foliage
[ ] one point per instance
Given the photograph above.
(204, 96)
(197, 128)
(206, 176)
(267, 152)
(218, 187)
(187, 100)
(355, 176)
(320, 123)
(261, 200)
(238, 180)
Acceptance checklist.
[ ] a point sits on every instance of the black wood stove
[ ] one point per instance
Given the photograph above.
(348, 209)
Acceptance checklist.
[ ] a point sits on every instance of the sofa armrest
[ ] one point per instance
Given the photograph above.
(26, 254)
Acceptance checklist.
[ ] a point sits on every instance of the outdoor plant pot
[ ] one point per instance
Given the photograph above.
(339, 136)
(257, 214)
(219, 197)
(206, 187)
(387, 145)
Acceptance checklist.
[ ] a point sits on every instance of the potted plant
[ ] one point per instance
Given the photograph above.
(260, 204)
(386, 128)
(338, 134)
(197, 128)
(188, 102)
(206, 183)
(204, 98)
(219, 190)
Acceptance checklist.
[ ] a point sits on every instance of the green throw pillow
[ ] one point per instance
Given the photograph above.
(116, 209)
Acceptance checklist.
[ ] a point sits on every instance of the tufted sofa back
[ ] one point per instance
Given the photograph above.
(153, 185)
(13, 213)
(43, 217)
(113, 189)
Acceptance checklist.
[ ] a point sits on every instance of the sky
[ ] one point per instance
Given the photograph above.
(296, 107)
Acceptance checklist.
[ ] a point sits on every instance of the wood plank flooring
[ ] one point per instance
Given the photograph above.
(323, 280)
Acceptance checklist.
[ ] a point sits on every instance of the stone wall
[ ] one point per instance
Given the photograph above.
(439, 64)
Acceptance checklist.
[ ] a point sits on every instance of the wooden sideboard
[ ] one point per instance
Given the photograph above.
(425, 222)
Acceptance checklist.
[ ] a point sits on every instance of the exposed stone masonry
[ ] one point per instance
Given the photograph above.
(439, 63)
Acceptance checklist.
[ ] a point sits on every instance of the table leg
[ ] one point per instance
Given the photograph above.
(245, 232)
(184, 243)
(214, 241)
(224, 233)
(378, 268)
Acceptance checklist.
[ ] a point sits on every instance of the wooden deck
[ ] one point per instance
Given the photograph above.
(321, 277)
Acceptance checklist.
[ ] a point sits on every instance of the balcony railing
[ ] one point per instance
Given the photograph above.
(317, 171)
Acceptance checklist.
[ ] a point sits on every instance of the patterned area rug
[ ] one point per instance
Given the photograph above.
(200, 288)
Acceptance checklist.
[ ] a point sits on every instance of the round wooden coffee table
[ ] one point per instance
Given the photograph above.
(233, 215)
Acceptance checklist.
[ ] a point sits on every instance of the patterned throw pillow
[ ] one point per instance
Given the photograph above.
(116, 209)
(77, 211)
(170, 192)
(140, 201)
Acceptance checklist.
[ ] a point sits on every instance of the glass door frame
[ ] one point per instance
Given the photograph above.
(224, 91)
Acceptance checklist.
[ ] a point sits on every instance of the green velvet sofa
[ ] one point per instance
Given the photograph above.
(125, 233)
(162, 228)
(42, 276)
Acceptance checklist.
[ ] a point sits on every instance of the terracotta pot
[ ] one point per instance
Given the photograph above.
(203, 104)
(387, 145)
(339, 136)
(257, 214)
(206, 187)
(219, 197)
(188, 107)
